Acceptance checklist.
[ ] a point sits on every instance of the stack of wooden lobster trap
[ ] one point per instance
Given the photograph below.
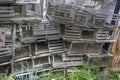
(65, 37)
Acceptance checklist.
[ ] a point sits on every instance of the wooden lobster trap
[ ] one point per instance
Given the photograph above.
(99, 19)
(82, 48)
(22, 65)
(42, 63)
(41, 48)
(5, 54)
(6, 35)
(51, 9)
(22, 51)
(25, 34)
(50, 31)
(103, 59)
(56, 47)
(106, 35)
(5, 69)
(77, 33)
(59, 61)
(114, 21)
(81, 17)
(6, 12)
(64, 14)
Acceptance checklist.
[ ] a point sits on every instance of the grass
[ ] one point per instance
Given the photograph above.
(84, 73)
(6, 78)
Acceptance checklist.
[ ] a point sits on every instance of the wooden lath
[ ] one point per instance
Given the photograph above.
(27, 1)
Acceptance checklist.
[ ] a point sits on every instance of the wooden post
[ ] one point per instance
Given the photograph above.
(14, 42)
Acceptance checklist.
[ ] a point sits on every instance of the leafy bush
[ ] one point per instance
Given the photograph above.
(84, 73)
(6, 78)
(113, 75)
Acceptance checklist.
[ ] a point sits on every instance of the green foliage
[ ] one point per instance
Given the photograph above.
(80, 75)
(113, 75)
(6, 78)
(53, 75)
(84, 73)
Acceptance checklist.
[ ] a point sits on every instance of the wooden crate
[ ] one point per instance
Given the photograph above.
(60, 62)
(81, 17)
(103, 59)
(99, 20)
(41, 48)
(22, 66)
(42, 63)
(61, 13)
(56, 47)
(5, 69)
(5, 54)
(22, 51)
(106, 35)
(6, 34)
(77, 33)
(83, 48)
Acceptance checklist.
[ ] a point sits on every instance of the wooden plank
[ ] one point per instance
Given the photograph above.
(6, 8)
(6, 11)
(67, 64)
(27, 1)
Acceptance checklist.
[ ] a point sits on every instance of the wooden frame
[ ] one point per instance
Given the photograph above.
(5, 54)
(81, 17)
(22, 51)
(42, 63)
(79, 48)
(102, 60)
(27, 1)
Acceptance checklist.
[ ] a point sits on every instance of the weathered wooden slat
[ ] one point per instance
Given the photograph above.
(72, 34)
(74, 31)
(55, 41)
(67, 64)
(58, 52)
(47, 32)
(71, 58)
(27, 1)
(54, 37)
(72, 37)
(5, 57)
(59, 44)
(6, 11)
(29, 18)
(9, 15)
(104, 35)
(6, 8)
(56, 47)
